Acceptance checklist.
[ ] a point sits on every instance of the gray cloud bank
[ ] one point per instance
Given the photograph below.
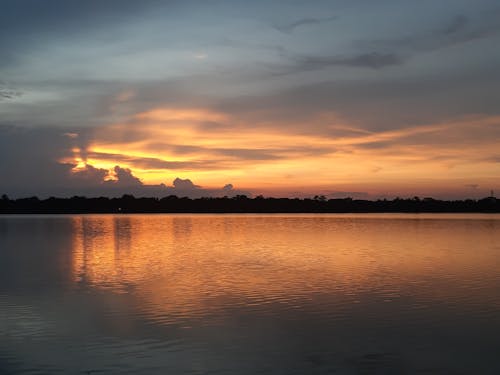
(126, 183)
(29, 166)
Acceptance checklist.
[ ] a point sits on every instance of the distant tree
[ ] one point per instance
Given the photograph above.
(240, 203)
(240, 196)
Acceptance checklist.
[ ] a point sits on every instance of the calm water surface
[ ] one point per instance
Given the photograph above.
(250, 294)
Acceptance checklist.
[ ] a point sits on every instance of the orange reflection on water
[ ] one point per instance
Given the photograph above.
(102, 249)
(192, 265)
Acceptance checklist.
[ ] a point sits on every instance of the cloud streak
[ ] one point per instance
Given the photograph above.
(7, 92)
(396, 51)
(458, 30)
(292, 26)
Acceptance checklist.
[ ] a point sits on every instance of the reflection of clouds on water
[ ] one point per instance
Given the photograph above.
(249, 293)
(188, 267)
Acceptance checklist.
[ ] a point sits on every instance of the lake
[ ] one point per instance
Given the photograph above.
(250, 294)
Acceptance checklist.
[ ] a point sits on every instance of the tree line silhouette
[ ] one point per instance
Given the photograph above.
(238, 204)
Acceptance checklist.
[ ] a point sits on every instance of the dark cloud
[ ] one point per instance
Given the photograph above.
(27, 157)
(234, 153)
(127, 183)
(249, 154)
(29, 165)
(291, 26)
(178, 149)
(369, 60)
(186, 184)
(457, 30)
(90, 174)
(391, 52)
(97, 183)
(185, 187)
(374, 105)
(462, 29)
(125, 178)
(374, 60)
(376, 145)
(153, 163)
(212, 126)
(6, 92)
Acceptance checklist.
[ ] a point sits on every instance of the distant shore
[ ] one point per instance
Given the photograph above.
(241, 204)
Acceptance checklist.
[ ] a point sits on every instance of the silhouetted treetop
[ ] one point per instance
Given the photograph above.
(238, 204)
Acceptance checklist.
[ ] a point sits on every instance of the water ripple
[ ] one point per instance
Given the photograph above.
(250, 294)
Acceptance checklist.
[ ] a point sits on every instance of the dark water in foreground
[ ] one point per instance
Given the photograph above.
(250, 294)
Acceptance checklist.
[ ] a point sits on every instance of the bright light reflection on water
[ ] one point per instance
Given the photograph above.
(250, 294)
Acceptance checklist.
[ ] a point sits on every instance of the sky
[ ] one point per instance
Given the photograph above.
(367, 99)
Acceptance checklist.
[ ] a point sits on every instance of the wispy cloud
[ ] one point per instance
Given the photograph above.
(374, 60)
(291, 26)
(371, 60)
(7, 92)
(385, 53)
(457, 30)
(148, 162)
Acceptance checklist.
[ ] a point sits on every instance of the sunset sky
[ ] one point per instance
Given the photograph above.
(366, 99)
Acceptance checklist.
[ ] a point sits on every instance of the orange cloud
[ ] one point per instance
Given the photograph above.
(210, 147)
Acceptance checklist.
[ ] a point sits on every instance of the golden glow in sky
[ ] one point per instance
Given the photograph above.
(213, 148)
(274, 98)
